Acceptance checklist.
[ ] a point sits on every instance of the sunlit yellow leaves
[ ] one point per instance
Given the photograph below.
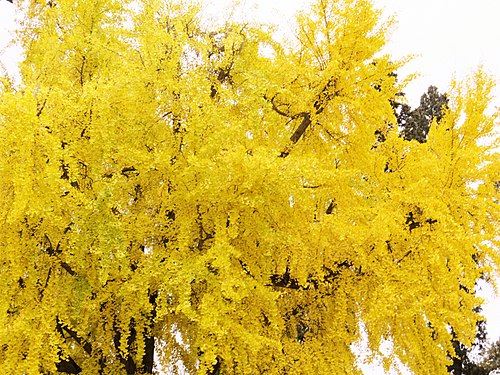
(169, 187)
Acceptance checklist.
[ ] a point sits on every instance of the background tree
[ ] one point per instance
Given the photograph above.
(415, 124)
(491, 361)
(170, 189)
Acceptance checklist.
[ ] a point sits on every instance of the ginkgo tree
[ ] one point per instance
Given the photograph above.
(216, 200)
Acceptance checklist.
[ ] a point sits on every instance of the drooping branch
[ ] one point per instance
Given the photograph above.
(146, 364)
(68, 365)
(127, 361)
(63, 328)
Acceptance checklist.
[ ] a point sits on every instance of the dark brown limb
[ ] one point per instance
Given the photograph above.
(63, 328)
(149, 341)
(216, 370)
(319, 105)
(306, 121)
(276, 109)
(68, 366)
(127, 361)
(55, 253)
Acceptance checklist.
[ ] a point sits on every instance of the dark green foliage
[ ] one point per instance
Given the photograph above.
(462, 364)
(415, 124)
(491, 360)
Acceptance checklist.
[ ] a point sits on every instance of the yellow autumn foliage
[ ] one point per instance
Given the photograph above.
(169, 189)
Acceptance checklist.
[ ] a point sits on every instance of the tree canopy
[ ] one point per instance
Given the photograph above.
(231, 203)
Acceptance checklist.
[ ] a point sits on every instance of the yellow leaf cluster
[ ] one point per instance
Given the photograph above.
(169, 188)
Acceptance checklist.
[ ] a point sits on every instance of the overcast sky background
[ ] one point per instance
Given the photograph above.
(450, 38)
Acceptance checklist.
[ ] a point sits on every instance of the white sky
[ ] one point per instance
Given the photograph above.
(450, 38)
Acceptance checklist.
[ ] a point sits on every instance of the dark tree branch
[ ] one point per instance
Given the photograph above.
(216, 370)
(127, 362)
(306, 121)
(276, 109)
(319, 105)
(62, 328)
(55, 253)
(149, 341)
(325, 96)
(68, 366)
(40, 107)
(284, 281)
(331, 207)
(42, 290)
(130, 171)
